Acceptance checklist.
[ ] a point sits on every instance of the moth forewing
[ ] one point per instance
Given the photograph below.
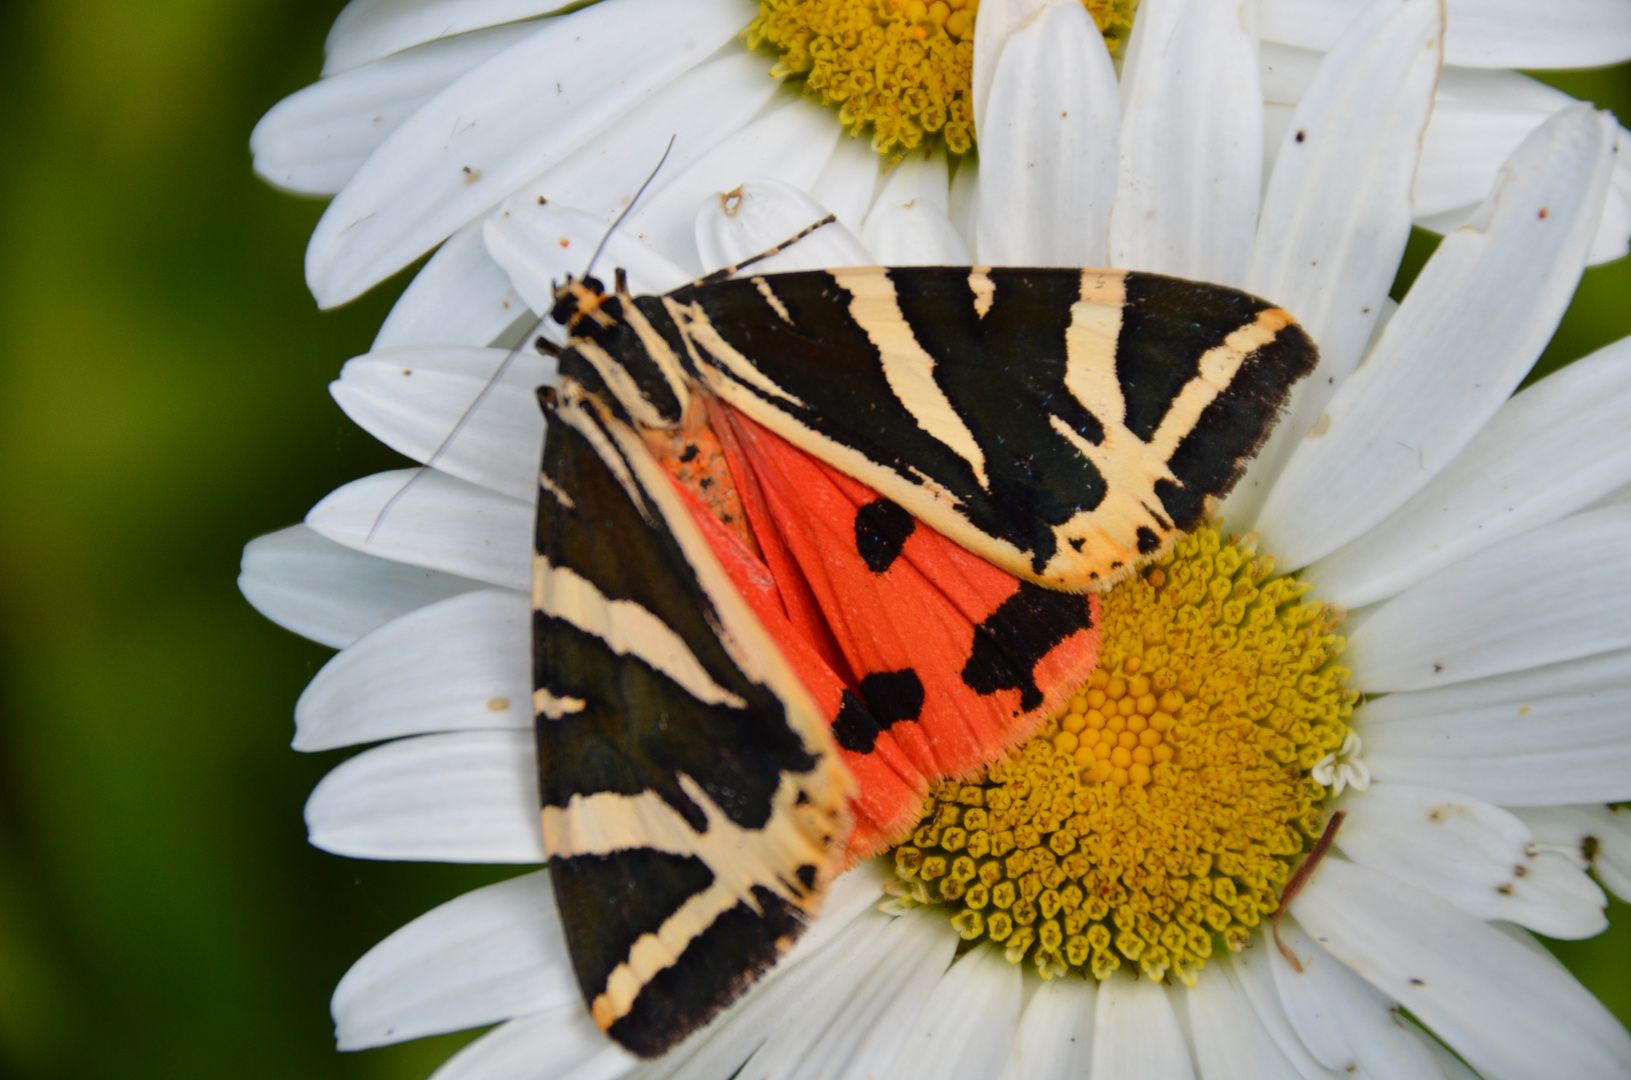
(706, 883)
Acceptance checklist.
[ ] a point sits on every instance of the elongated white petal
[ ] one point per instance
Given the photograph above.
(849, 181)
(1336, 214)
(1382, 1042)
(1257, 982)
(439, 523)
(370, 29)
(315, 140)
(460, 297)
(1463, 151)
(1545, 736)
(1471, 327)
(458, 664)
(965, 203)
(1231, 1043)
(968, 1024)
(411, 398)
(1055, 1037)
(792, 144)
(488, 955)
(1552, 594)
(503, 124)
(330, 593)
(1596, 836)
(467, 796)
(997, 22)
(560, 1044)
(1551, 450)
(1482, 33)
(721, 1047)
(1313, 1007)
(917, 235)
(698, 111)
(763, 214)
(1048, 146)
(1457, 975)
(1136, 1036)
(1475, 855)
(1191, 143)
(541, 244)
(838, 1014)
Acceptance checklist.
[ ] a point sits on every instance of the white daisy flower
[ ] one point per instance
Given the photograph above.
(1478, 540)
(430, 114)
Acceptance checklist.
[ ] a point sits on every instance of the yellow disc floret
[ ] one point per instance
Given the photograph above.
(1165, 808)
(904, 68)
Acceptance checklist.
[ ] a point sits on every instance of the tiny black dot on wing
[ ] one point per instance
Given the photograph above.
(1147, 540)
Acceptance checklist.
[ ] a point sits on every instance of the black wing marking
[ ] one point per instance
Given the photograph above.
(693, 803)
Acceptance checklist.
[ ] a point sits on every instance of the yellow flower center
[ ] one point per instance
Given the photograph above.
(901, 67)
(1164, 811)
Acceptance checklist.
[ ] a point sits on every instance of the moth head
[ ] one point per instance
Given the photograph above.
(581, 298)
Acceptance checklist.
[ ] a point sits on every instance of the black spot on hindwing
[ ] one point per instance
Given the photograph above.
(1013, 640)
(886, 698)
(881, 531)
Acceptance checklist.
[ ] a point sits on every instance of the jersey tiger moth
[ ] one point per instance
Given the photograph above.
(808, 543)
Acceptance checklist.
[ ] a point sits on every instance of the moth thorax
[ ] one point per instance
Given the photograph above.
(694, 455)
(1162, 812)
(577, 300)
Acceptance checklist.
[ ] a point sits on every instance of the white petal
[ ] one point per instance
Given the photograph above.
(561, 1044)
(1544, 736)
(1136, 1036)
(1463, 150)
(460, 297)
(439, 523)
(1314, 1007)
(1257, 982)
(1508, 1013)
(314, 140)
(762, 214)
(1482, 33)
(1598, 836)
(468, 796)
(1336, 214)
(1382, 1041)
(848, 183)
(834, 1027)
(792, 144)
(1191, 143)
(329, 593)
(1481, 311)
(369, 29)
(997, 22)
(488, 955)
(540, 244)
(1470, 853)
(1048, 146)
(919, 234)
(1231, 1043)
(503, 124)
(459, 664)
(411, 398)
(698, 111)
(853, 894)
(1552, 594)
(721, 1047)
(968, 1025)
(1055, 1037)
(1551, 450)
(965, 202)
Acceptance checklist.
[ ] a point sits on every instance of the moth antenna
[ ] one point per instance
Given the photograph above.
(629, 209)
(540, 343)
(725, 273)
(1299, 879)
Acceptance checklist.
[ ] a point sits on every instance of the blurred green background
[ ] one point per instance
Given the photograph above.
(163, 399)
